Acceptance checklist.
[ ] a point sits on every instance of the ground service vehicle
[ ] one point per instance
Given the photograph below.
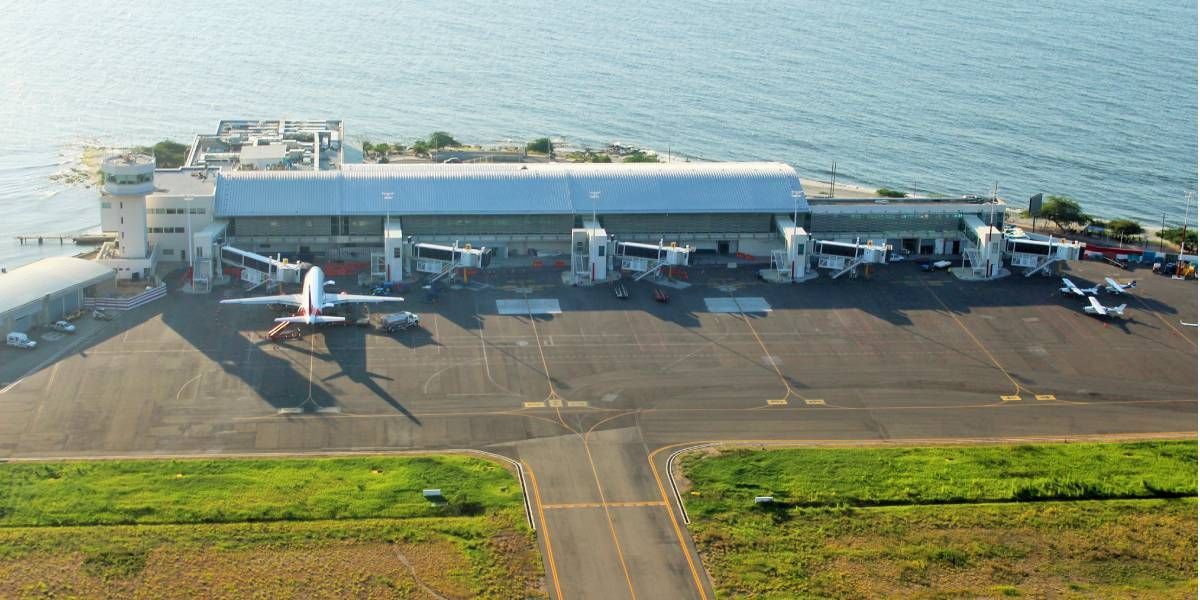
(17, 339)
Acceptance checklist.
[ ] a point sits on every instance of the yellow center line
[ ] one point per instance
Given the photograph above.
(788, 391)
(595, 474)
(537, 501)
(1164, 321)
(675, 524)
(1016, 386)
(606, 504)
(608, 517)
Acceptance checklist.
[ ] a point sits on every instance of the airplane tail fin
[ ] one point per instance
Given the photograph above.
(1132, 283)
(1120, 310)
(303, 320)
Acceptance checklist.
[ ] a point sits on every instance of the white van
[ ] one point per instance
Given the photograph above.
(20, 340)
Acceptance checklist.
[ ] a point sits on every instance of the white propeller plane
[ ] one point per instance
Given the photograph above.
(312, 299)
(1115, 287)
(1095, 308)
(1070, 288)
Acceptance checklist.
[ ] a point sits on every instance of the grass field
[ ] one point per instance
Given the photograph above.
(1064, 520)
(234, 528)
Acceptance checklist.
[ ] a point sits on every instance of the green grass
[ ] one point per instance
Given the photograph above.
(226, 491)
(941, 475)
(322, 527)
(1110, 520)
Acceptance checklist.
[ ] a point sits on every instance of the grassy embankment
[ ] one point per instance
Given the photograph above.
(1064, 520)
(331, 527)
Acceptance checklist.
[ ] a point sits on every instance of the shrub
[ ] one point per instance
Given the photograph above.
(890, 193)
(543, 145)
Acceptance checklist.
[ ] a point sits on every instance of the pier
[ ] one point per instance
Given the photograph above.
(78, 238)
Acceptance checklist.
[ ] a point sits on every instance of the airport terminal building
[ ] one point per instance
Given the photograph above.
(319, 210)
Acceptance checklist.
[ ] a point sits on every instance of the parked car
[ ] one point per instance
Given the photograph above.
(17, 339)
(100, 315)
(63, 326)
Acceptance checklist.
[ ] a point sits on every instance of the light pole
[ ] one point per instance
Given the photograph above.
(594, 196)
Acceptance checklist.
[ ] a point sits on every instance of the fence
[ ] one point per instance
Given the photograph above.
(127, 303)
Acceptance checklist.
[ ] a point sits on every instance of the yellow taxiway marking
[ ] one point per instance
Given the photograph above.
(555, 403)
(675, 522)
(1010, 398)
(577, 403)
(1045, 397)
(814, 401)
(535, 405)
(602, 505)
(537, 501)
(777, 402)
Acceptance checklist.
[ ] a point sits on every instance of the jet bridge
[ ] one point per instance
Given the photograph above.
(846, 257)
(649, 259)
(440, 261)
(258, 270)
(1038, 255)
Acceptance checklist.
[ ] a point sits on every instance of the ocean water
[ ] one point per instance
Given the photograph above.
(1091, 98)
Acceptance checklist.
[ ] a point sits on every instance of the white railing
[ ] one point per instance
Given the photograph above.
(127, 303)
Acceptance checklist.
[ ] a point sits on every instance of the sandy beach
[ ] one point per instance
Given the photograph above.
(820, 189)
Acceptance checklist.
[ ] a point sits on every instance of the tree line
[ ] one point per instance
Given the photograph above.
(1066, 214)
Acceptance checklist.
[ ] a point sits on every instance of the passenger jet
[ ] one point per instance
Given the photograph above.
(312, 299)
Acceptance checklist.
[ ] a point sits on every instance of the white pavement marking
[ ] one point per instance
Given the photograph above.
(740, 304)
(721, 305)
(532, 306)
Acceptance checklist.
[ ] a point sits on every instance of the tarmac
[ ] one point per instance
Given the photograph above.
(593, 400)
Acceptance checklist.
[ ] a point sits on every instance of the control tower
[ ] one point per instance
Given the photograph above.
(128, 178)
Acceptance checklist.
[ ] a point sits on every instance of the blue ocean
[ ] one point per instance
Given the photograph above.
(1095, 99)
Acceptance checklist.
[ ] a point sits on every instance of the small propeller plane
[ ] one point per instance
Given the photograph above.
(1069, 288)
(1095, 308)
(1113, 286)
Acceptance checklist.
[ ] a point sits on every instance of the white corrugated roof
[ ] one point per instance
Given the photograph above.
(554, 188)
(48, 276)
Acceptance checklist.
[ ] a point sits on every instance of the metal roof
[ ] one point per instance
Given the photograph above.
(47, 277)
(553, 188)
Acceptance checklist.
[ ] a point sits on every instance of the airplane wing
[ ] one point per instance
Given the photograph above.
(1096, 306)
(288, 299)
(1114, 287)
(359, 298)
(1071, 287)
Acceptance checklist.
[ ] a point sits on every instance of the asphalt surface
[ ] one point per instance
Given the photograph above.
(593, 400)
